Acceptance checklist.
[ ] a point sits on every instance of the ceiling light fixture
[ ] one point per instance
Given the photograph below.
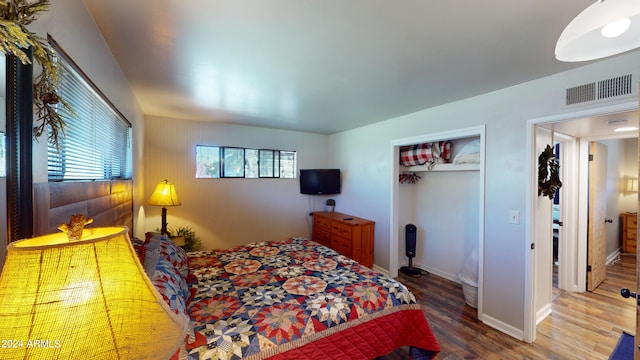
(626, 128)
(607, 27)
(622, 125)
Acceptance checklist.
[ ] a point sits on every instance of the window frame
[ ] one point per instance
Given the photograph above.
(226, 169)
(116, 163)
(275, 169)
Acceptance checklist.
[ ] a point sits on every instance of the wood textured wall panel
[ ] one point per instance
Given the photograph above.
(64, 193)
(62, 215)
(124, 215)
(109, 203)
(105, 219)
(121, 187)
(99, 205)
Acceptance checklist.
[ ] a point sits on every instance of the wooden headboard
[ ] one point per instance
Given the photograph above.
(109, 203)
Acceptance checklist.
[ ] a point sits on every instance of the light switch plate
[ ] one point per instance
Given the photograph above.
(514, 217)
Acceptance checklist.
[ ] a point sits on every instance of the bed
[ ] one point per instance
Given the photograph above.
(290, 299)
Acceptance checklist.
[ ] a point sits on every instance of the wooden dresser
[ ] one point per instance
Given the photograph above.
(629, 232)
(349, 235)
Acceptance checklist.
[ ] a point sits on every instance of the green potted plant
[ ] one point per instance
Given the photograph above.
(331, 205)
(191, 241)
(185, 237)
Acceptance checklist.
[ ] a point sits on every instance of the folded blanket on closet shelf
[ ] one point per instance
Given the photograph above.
(426, 154)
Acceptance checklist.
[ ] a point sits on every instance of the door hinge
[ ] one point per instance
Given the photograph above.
(588, 268)
(590, 157)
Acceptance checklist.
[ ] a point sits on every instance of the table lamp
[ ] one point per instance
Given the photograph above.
(84, 299)
(164, 195)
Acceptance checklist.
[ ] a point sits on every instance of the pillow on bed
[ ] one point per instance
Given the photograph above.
(168, 250)
(141, 251)
(166, 265)
(138, 246)
(175, 254)
(171, 285)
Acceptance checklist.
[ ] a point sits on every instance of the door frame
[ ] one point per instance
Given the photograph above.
(530, 312)
(569, 204)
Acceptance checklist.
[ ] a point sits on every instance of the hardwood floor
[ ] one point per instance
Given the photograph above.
(582, 325)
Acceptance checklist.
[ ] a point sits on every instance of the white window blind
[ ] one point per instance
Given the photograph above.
(97, 141)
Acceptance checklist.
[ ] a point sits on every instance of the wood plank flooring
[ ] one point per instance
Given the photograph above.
(582, 325)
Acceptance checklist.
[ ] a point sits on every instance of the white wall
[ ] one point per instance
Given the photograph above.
(229, 212)
(365, 154)
(71, 25)
(444, 208)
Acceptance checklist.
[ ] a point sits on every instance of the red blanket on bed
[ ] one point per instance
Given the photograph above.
(299, 300)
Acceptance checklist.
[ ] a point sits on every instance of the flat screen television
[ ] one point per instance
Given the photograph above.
(319, 181)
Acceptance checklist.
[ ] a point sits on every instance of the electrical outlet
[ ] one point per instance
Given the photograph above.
(514, 217)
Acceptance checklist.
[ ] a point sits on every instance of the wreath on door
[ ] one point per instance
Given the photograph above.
(548, 173)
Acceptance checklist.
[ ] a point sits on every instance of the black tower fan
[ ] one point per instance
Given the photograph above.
(410, 238)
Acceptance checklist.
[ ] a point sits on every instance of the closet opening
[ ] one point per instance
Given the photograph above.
(439, 187)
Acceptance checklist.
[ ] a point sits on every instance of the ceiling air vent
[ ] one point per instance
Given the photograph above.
(617, 86)
(603, 90)
(581, 93)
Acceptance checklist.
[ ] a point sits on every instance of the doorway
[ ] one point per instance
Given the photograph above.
(573, 131)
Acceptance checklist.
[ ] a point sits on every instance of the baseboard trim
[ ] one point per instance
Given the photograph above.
(380, 269)
(504, 327)
(543, 313)
(452, 277)
(613, 257)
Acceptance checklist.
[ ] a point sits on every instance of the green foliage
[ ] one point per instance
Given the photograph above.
(15, 39)
(191, 240)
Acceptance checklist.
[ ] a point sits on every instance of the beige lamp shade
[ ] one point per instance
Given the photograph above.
(87, 299)
(632, 185)
(164, 195)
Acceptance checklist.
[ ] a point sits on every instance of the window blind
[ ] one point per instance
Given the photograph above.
(97, 141)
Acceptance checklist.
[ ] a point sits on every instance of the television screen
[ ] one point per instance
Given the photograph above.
(319, 181)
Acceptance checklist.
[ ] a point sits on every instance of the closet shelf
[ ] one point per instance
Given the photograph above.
(442, 167)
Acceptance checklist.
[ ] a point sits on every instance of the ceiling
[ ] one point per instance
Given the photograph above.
(326, 66)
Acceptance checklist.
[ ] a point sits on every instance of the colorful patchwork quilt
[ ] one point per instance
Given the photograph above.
(296, 299)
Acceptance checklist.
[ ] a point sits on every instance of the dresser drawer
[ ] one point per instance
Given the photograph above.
(632, 222)
(352, 237)
(341, 245)
(632, 234)
(321, 236)
(341, 229)
(321, 223)
(631, 247)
